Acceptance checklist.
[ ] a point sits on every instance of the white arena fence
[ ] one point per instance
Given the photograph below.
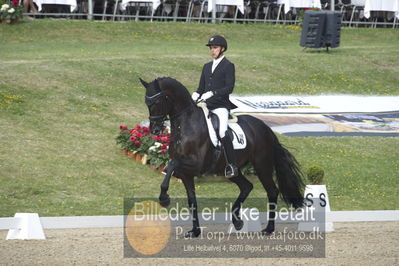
(24, 226)
(30, 226)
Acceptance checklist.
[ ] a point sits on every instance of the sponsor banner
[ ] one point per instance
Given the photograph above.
(324, 115)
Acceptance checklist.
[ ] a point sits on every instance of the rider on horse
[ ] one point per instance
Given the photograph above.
(215, 86)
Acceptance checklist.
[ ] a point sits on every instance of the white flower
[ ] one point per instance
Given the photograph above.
(155, 147)
(152, 148)
(157, 144)
(11, 10)
(4, 7)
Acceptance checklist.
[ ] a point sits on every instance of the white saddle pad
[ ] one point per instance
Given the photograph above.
(239, 140)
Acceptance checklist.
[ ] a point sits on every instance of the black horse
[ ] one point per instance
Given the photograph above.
(192, 153)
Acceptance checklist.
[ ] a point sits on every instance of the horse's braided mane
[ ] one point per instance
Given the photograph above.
(172, 83)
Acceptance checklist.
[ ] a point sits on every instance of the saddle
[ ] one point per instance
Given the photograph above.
(234, 130)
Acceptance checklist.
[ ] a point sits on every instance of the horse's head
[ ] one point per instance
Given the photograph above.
(156, 101)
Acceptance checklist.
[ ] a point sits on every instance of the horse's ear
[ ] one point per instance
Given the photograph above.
(145, 84)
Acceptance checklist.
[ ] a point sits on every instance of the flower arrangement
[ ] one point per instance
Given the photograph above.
(123, 138)
(10, 13)
(140, 140)
(158, 153)
(152, 149)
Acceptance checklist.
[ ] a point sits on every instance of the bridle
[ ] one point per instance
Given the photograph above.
(151, 100)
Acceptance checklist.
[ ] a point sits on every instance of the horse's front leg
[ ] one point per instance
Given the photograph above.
(192, 204)
(164, 198)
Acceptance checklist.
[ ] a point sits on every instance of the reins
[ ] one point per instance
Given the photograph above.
(151, 100)
(189, 106)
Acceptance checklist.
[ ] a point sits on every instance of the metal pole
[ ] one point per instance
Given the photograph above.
(213, 11)
(90, 15)
(332, 8)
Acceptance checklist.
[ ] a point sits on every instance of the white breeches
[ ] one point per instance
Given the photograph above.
(223, 116)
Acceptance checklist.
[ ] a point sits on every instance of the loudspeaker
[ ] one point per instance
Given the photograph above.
(312, 29)
(333, 29)
(321, 29)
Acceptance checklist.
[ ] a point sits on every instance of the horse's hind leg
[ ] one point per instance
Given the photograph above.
(245, 188)
(265, 174)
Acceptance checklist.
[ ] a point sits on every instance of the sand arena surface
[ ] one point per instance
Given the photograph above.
(356, 243)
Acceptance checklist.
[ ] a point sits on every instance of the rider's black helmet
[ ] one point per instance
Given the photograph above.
(218, 40)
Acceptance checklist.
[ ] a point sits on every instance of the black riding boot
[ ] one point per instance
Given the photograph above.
(231, 168)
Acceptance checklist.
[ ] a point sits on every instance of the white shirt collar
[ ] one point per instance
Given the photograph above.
(216, 62)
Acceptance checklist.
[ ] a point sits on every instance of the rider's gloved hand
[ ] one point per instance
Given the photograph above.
(207, 95)
(195, 96)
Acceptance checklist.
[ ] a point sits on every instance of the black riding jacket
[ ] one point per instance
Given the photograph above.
(221, 82)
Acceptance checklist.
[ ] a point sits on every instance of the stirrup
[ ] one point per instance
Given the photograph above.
(230, 171)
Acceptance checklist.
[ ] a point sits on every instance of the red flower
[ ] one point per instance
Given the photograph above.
(164, 146)
(164, 151)
(132, 138)
(137, 143)
(139, 135)
(123, 127)
(14, 2)
(165, 139)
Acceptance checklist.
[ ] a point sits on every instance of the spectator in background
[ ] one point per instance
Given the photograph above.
(28, 6)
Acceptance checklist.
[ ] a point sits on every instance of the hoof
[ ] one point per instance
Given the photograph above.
(238, 224)
(268, 230)
(164, 201)
(193, 233)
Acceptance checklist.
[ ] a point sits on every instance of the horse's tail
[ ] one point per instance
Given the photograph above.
(289, 175)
